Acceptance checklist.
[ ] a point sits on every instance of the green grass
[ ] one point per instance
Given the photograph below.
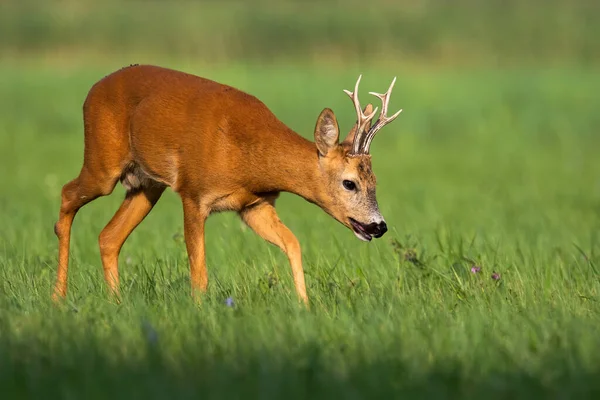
(493, 168)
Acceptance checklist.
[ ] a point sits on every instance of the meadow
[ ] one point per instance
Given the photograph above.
(487, 284)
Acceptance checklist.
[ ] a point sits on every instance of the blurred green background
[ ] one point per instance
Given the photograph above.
(420, 33)
(493, 164)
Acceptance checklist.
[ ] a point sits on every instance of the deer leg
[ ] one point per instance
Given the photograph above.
(75, 194)
(135, 207)
(194, 217)
(262, 219)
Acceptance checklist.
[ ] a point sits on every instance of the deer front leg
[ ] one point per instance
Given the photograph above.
(194, 218)
(262, 219)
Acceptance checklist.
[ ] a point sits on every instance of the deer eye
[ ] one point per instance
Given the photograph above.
(349, 185)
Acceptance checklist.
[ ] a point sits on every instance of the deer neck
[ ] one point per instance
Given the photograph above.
(296, 170)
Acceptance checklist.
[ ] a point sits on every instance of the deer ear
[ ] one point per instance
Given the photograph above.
(327, 132)
(350, 138)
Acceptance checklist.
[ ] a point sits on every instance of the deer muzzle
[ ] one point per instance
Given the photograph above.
(367, 232)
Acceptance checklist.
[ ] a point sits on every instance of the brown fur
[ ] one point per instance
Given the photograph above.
(219, 149)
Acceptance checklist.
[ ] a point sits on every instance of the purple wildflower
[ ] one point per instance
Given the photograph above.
(495, 276)
(150, 332)
(475, 269)
(229, 302)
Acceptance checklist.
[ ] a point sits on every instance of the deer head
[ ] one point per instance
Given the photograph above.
(346, 167)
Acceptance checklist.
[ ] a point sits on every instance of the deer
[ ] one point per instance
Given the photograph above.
(219, 149)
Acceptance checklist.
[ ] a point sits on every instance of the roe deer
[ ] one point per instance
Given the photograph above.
(219, 149)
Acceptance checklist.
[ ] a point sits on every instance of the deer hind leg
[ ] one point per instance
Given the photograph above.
(75, 194)
(135, 207)
(194, 218)
(262, 219)
(105, 154)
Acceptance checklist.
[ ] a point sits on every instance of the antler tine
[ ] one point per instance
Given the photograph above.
(383, 119)
(361, 119)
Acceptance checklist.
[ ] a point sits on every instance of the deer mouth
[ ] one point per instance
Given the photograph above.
(360, 230)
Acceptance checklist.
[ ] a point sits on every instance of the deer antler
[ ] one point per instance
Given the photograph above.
(383, 119)
(361, 119)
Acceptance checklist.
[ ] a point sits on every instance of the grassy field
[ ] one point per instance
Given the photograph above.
(496, 169)
(430, 32)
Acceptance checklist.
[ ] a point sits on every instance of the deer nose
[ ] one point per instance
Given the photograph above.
(380, 229)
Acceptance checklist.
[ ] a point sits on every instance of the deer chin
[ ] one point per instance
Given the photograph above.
(360, 231)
